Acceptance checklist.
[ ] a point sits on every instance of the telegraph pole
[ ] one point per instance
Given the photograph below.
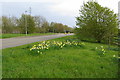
(26, 22)
(26, 30)
(30, 10)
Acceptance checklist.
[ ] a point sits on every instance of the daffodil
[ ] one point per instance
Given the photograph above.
(96, 48)
(114, 56)
(102, 49)
(30, 49)
(38, 51)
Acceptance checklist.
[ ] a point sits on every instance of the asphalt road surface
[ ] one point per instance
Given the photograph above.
(12, 42)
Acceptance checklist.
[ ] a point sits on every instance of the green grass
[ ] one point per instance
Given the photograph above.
(69, 62)
(18, 35)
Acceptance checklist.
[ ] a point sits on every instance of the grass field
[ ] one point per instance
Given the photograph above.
(69, 62)
(18, 35)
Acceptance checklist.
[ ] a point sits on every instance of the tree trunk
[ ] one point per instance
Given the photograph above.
(99, 41)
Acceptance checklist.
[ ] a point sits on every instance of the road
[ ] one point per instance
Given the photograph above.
(12, 42)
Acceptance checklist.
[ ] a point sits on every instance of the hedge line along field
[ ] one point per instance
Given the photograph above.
(91, 60)
(19, 35)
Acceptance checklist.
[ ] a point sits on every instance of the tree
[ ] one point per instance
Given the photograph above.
(45, 27)
(39, 21)
(59, 28)
(97, 22)
(26, 21)
(7, 25)
(51, 27)
(14, 24)
(66, 28)
(41, 24)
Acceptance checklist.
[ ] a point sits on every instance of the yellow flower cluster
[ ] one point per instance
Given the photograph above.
(60, 44)
(114, 56)
(101, 49)
(45, 45)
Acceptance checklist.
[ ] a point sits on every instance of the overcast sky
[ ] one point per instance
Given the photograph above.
(62, 11)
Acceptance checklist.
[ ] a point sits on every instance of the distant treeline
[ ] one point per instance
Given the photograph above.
(32, 24)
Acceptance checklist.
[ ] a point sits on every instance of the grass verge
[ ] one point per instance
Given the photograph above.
(69, 62)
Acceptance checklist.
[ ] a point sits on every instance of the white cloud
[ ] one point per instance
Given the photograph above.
(112, 4)
(68, 7)
(71, 7)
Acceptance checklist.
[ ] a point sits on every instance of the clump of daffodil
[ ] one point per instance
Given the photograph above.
(101, 50)
(116, 57)
(46, 45)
